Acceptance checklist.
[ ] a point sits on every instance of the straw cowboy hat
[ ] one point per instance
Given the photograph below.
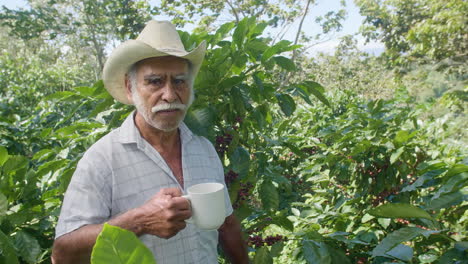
(158, 38)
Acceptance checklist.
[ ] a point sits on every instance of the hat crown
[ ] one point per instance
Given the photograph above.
(161, 35)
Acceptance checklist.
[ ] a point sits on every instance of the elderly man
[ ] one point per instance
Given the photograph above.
(134, 177)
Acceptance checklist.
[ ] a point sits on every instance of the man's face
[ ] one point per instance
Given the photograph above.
(162, 93)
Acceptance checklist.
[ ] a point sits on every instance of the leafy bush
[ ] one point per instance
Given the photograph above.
(315, 177)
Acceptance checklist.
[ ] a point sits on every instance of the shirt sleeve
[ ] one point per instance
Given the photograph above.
(88, 197)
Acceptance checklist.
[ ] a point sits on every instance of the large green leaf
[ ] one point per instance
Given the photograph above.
(283, 222)
(14, 163)
(455, 182)
(222, 31)
(262, 256)
(286, 103)
(447, 200)
(397, 237)
(228, 83)
(281, 46)
(27, 246)
(399, 210)
(395, 155)
(7, 249)
(119, 246)
(316, 252)
(429, 175)
(200, 121)
(269, 195)
(317, 90)
(240, 160)
(338, 256)
(457, 169)
(3, 155)
(242, 29)
(3, 206)
(285, 63)
(401, 252)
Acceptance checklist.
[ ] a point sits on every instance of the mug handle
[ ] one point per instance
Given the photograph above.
(189, 220)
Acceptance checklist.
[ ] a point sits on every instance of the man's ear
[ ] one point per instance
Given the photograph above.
(128, 89)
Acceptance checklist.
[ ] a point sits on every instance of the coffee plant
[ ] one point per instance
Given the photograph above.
(314, 176)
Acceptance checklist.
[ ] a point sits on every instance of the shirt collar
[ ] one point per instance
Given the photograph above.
(129, 132)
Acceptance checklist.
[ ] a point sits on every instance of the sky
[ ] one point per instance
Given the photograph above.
(350, 25)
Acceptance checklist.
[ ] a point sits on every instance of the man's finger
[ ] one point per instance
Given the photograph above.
(181, 203)
(173, 192)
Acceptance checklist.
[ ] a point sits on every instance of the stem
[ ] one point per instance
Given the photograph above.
(306, 10)
(233, 11)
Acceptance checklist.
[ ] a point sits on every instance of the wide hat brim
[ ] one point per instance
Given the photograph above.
(132, 51)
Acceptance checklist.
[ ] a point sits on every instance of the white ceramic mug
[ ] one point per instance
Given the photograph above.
(208, 205)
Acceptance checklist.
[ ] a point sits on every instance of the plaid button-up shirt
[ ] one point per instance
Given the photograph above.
(122, 171)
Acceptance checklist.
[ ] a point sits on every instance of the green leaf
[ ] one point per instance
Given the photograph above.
(200, 121)
(240, 32)
(256, 48)
(276, 249)
(262, 256)
(51, 166)
(451, 256)
(278, 48)
(399, 210)
(317, 90)
(243, 212)
(397, 237)
(338, 256)
(283, 221)
(403, 136)
(401, 252)
(287, 104)
(85, 91)
(285, 63)
(269, 195)
(119, 246)
(423, 179)
(3, 206)
(102, 106)
(395, 155)
(8, 250)
(455, 182)
(14, 163)
(303, 94)
(228, 83)
(240, 160)
(223, 31)
(456, 169)
(3, 155)
(316, 252)
(384, 222)
(28, 247)
(448, 200)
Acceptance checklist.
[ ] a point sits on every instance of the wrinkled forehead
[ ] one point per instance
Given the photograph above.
(166, 64)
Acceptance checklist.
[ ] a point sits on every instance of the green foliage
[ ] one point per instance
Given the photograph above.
(120, 246)
(317, 172)
(418, 30)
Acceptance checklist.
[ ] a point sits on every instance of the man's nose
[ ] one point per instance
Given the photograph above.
(169, 95)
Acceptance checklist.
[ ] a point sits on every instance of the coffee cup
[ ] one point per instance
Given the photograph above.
(207, 204)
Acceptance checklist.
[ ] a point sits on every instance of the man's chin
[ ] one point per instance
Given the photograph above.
(167, 127)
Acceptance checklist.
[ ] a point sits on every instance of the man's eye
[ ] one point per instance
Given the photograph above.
(155, 81)
(179, 81)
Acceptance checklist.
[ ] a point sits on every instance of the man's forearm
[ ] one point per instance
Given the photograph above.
(230, 236)
(76, 246)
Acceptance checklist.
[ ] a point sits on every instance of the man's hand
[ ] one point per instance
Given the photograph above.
(165, 213)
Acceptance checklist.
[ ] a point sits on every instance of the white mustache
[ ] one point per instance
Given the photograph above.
(171, 106)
